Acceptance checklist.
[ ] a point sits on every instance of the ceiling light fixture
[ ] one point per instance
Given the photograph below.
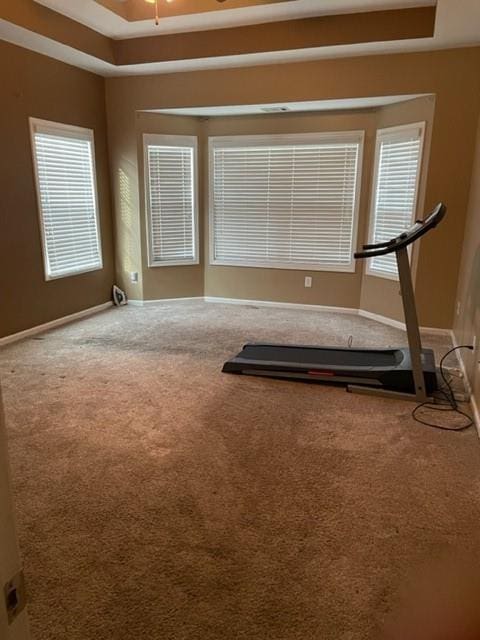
(155, 2)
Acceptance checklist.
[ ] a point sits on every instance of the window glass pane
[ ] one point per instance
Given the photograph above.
(171, 204)
(68, 205)
(397, 171)
(285, 205)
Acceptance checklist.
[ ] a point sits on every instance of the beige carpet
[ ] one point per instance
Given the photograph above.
(160, 499)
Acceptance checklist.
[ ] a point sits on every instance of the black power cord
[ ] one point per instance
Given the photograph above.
(447, 401)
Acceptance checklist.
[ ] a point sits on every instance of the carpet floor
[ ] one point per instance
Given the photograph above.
(158, 498)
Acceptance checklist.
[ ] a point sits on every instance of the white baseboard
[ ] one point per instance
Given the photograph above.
(53, 323)
(213, 299)
(435, 331)
(383, 319)
(281, 305)
(261, 303)
(238, 301)
(468, 386)
(145, 303)
(475, 413)
(463, 368)
(397, 324)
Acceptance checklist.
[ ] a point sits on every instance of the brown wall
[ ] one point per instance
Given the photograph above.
(283, 285)
(131, 227)
(301, 33)
(33, 85)
(380, 295)
(467, 317)
(451, 75)
(284, 35)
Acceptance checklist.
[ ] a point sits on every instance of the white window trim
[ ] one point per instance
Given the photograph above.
(190, 142)
(357, 136)
(38, 125)
(386, 134)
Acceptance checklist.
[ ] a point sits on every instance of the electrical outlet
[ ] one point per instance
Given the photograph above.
(134, 277)
(459, 305)
(308, 282)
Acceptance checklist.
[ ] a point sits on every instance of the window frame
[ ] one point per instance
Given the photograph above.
(38, 125)
(166, 140)
(385, 134)
(240, 141)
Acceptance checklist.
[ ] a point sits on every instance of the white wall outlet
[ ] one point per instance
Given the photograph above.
(308, 282)
(459, 305)
(134, 277)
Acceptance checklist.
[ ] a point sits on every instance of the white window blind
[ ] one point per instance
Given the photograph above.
(171, 200)
(288, 202)
(66, 186)
(397, 171)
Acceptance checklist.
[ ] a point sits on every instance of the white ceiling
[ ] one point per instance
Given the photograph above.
(97, 17)
(457, 25)
(290, 107)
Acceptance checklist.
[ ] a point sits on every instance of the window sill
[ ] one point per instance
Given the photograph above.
(71, 274)
(174, 263)
(284, 266)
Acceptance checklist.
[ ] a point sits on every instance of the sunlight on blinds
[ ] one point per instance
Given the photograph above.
(171, 204)
(397, 171)
(68, 204)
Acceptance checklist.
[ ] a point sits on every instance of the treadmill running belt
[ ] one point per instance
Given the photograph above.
(329, 357)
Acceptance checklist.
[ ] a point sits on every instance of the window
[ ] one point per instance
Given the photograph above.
(64, 162)
(398, 159)
(288, 202)
(170, 176)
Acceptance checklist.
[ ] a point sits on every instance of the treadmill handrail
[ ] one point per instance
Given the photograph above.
(407, 237)
(379, 245)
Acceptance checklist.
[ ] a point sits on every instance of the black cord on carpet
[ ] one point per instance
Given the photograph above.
(447, 402)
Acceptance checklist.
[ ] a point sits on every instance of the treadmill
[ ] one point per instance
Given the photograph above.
(407, 373)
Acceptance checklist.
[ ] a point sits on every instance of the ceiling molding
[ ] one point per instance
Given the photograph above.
(306, 33)
(48, 23)
(22, 37)
(344, 104)
(134, 11)
(113, 24)
(121, 9)
(287, 35)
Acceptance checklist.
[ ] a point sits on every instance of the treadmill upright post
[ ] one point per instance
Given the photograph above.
(411, 321)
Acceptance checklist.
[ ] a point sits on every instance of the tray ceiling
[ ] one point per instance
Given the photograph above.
(110, 37)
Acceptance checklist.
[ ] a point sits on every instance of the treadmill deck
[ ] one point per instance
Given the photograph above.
(385, 368)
